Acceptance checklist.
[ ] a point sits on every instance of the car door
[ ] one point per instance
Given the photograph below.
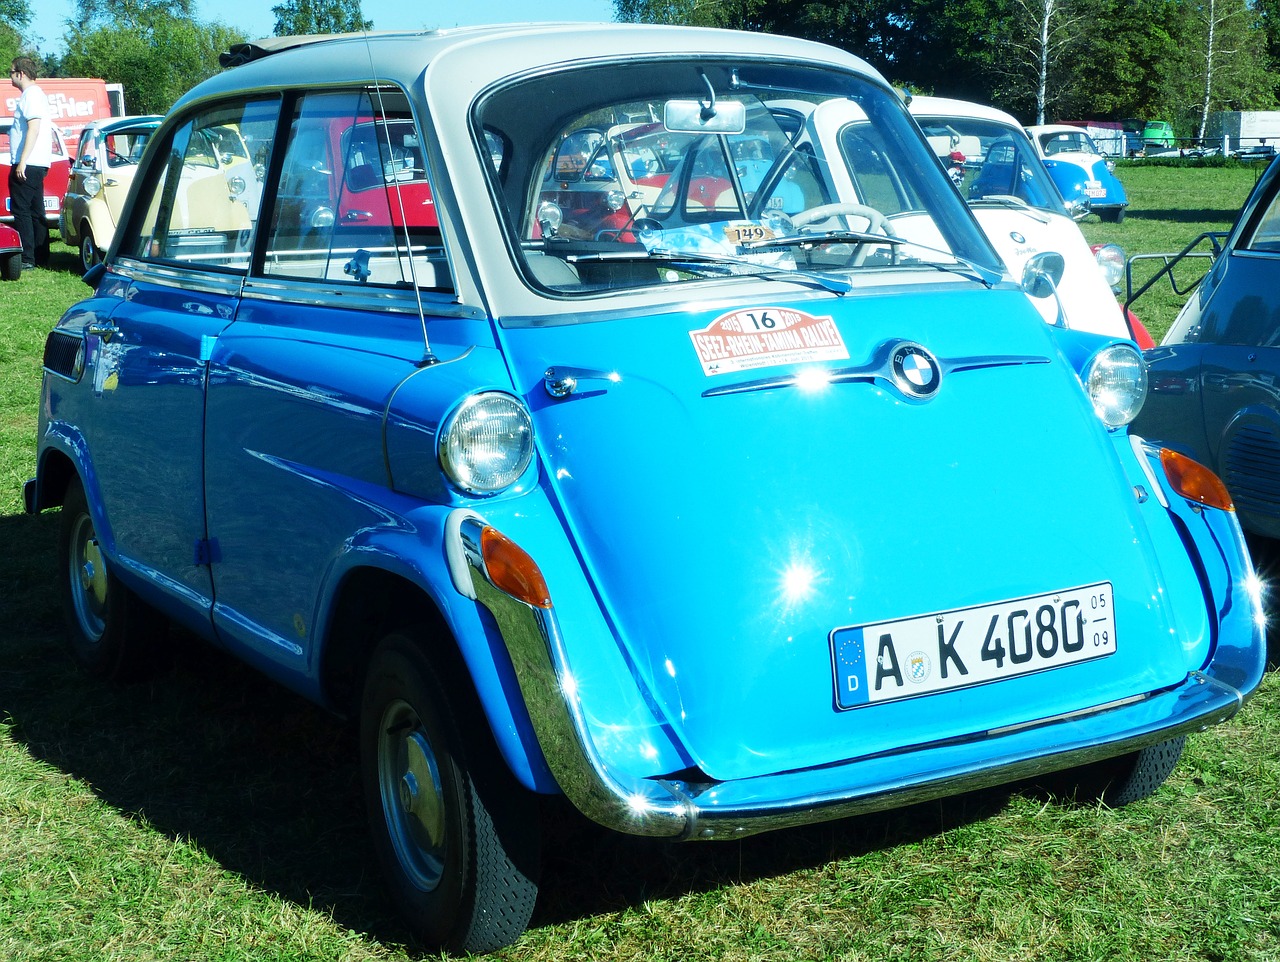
(328, 327)
(1240, 375)
(177, 277)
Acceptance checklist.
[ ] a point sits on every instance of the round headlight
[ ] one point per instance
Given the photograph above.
(92, 184)
(550, 217)
(487, 443)
(1110, 258)
(1116, 379)
(322, 218)
(615, 200)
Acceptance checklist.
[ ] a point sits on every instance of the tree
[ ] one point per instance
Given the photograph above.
(15, 17)
(157, 58)
(1226, 58)
(1038, 59)
(131, 13)
(298, 17)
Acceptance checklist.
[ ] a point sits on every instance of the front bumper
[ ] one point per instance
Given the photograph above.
(672, 807)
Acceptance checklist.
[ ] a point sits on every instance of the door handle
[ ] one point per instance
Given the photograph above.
(103, 329)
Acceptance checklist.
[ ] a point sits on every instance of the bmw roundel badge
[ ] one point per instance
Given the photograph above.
(915, 371)
(1017, 237)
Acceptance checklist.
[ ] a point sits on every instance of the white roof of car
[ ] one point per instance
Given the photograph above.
(484, 54)
(1057, 129)
(946, 107)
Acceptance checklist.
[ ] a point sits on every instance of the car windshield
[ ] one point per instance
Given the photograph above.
(991, 162)
(1067, 142)
(647, 174)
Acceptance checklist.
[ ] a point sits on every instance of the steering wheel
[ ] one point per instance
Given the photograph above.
(877, 222)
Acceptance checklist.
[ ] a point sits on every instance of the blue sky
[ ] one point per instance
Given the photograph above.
(256, 19)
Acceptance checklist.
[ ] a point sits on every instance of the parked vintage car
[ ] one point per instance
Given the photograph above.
(106, 160)
(1213, 377)
(734, 520)
(1083, 175)
(10, 253)
(1158, 135)
(1009, 190)
(55, 181)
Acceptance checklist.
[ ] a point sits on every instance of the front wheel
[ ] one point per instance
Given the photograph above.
(11, 269)
(111, 632)
(456, 838)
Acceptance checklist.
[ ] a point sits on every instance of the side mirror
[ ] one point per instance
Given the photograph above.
(1042, 274)
(1041, 277)
(94, 274)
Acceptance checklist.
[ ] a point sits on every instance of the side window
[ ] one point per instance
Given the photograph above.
(203, 206)
(875, 178)
(354, 205)
(1266, 236)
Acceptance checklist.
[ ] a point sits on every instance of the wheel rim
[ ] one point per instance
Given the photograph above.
(88, 251)
(88, 577)
(412, 795)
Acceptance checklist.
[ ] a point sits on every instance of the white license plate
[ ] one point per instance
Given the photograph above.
(889, 660)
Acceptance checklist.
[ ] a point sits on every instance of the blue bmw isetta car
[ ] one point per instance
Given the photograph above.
(778, 503)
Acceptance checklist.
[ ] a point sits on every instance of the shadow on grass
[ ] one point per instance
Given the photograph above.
(1197, 216)
(265, 783)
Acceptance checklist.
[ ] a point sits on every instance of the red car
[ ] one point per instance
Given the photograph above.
(55, 182)
(10, 254)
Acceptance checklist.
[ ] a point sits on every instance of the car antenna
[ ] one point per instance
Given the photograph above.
(427, 356)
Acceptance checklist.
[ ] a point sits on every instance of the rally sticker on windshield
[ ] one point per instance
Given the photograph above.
(765, 337)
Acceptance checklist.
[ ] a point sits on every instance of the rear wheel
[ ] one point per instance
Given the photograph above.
(1126, 779)
(1114, 216)
(110, 631)
(456, 838)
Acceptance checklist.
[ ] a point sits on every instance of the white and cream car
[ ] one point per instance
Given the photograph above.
(105, 162)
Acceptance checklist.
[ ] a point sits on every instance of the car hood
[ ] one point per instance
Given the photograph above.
(732, 519)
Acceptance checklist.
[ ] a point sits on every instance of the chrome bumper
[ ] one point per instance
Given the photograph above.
(672, 808)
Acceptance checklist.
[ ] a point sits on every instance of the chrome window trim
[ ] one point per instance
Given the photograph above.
(398, 300)
(204, 281)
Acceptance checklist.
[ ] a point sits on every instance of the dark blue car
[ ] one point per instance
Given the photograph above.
(1213, 380)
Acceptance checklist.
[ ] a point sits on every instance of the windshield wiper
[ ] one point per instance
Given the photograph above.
(827, 282)
(984, 275)
(1009, 200)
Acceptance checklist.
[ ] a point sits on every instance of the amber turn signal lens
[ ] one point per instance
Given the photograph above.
(1194, 481)
(510, 568)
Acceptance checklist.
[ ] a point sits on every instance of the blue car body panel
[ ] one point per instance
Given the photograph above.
(1073, 180)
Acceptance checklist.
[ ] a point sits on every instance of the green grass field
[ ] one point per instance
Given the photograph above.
(207, 815)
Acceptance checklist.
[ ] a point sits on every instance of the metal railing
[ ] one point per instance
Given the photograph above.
(1215, 238)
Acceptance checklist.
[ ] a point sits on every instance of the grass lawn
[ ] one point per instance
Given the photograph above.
(207, 814)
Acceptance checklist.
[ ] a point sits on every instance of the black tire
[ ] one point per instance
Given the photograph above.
(110, 631)
(12, 266)
(455, 836)
(1115, 216)
(1121, 781)
(89, 253)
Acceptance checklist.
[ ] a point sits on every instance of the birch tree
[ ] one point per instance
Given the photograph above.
(1041, 40)
(1228, 44)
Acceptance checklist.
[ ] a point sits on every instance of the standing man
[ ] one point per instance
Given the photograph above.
(31, 146)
